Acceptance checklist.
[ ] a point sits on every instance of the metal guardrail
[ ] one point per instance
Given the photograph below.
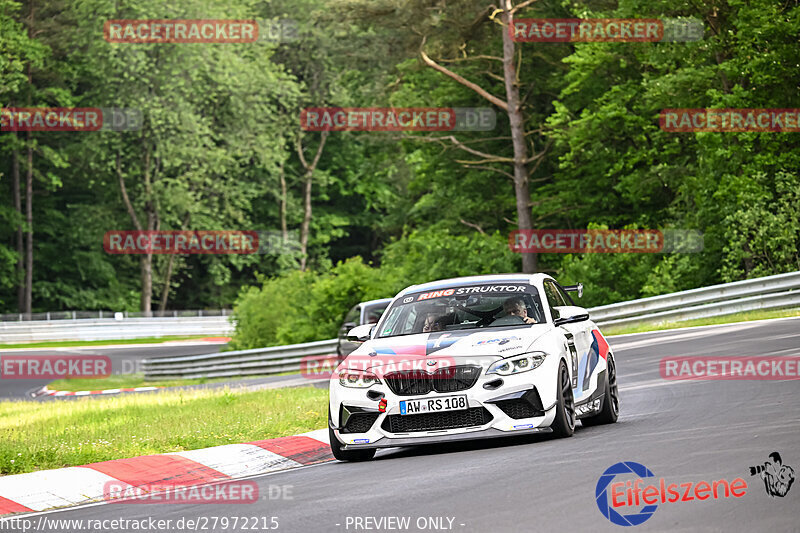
(111, 329)
(259, 361)
(82, 315)
(770, 292)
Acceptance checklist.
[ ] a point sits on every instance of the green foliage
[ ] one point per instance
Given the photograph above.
(302, 307)
(763, 235)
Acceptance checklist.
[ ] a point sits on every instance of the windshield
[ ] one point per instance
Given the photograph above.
(467, 307)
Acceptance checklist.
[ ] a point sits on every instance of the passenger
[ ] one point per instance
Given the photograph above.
(516, 307)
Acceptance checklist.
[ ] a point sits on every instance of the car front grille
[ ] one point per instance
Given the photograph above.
(360, 422)
(474, 416)
(518, 408)
(418, 382)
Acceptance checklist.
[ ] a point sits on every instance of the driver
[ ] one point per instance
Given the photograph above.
(516, 307)
(433, 322)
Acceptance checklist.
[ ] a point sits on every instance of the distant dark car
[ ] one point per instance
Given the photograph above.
(364, 313)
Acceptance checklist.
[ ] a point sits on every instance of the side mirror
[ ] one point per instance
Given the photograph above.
(575, 288)
(568, 314)
(360, 333)
(349, 325)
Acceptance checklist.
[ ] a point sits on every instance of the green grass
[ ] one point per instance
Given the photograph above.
(66, 344)
(125, 381)
(42, 435)
(726, 319)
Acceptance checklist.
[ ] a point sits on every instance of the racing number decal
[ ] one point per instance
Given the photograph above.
(574, 356)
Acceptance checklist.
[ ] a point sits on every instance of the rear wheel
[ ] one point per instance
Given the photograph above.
(564, 422)
(610, 411)
(347, 455)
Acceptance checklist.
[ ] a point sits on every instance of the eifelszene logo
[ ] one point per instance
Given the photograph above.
(631, 493)
(778, 477)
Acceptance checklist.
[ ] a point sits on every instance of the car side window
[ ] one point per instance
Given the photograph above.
(553, 297)
(353, 315)
(373, 315)
(564, 296)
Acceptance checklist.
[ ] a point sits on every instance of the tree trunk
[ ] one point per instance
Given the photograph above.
(306, 219)
(146, 260)
(20, 269)
(167, 278)
(309, 175)
(28, 298)
(146, 269)
(284, 229)
(521, 190)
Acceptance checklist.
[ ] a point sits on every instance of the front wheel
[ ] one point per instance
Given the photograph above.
(348, 455)
(610, 411)
(564, 422)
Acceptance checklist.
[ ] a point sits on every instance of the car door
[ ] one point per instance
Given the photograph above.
(579, 340)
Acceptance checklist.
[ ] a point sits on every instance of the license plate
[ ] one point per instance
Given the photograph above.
(433, 405)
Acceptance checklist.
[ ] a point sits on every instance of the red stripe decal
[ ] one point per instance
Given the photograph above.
(602, 344)
(304, 450)
(7, 506)
(171, 470)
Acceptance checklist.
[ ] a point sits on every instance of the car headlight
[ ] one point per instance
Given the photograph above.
(517, 364)
(358, 380)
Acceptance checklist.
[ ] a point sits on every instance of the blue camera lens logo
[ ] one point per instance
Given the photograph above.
(601, 495)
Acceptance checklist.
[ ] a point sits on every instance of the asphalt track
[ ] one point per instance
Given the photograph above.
(682, 430)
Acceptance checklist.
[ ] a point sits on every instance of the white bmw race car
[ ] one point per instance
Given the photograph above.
(470, 358)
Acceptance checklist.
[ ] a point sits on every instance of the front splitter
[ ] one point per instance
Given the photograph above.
(490, 433)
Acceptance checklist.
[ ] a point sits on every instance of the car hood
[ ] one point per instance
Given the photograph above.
(445, 347)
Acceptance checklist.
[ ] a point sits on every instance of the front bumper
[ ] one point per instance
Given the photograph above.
(494, 410)
(434, 439)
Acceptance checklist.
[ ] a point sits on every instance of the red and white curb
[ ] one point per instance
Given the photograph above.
(48, 392)
(65, 487)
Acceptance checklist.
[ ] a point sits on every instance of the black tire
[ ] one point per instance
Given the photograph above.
(610, 411)
(564, 422)
(348, 455)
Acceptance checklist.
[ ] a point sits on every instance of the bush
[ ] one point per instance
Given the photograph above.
(303, 307)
